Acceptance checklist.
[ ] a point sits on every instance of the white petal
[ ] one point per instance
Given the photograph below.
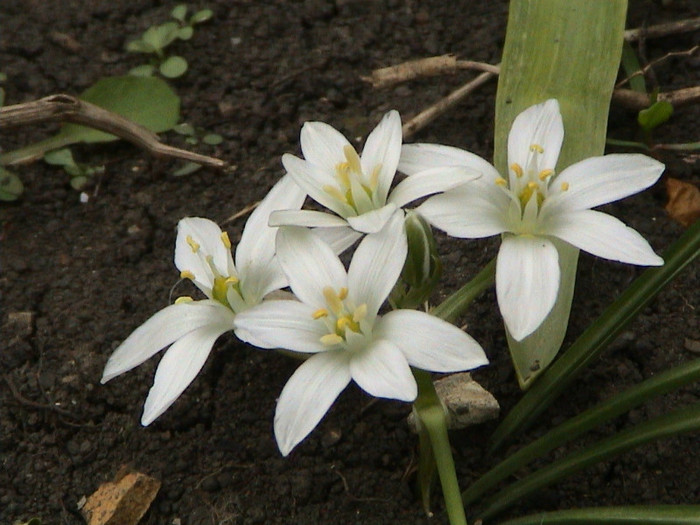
(207, 235)
(307, 396)
(383, 148)
(308, 218)
(527, 282)
(420, 157)
(430, 343)
(381, 370)
(168, 325)
(434, 180)
(603, 235)
(312, 179)
(281, 324)
(377, 264)
(473, 210)
(372, 221)
(309, 264)
(339, 239)
(542, 125)
(599, 180)
(264, 277)
(178, 368)
(257, 244)
(323, 145)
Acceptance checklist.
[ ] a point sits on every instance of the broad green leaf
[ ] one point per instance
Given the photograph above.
(618, 404)
(598, 335)
(668, 425)
(144, 70)
(632, 515)
(213, 139)
(78, 182)
(187, 168)
(179, 12)
(185, 33)
(201, 16)
(11, 187)
(655, 115)
(160, 36)
(148, 101)
(550, 53)
(173, 67)
(59, 157)
(139, 46)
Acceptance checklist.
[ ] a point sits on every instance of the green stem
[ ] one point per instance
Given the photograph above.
(434, 420)
(457, 303)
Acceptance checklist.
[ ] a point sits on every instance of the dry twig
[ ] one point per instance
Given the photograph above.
(659, 30)
(687, 52)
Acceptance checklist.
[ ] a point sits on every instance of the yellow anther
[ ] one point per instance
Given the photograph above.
(343, 293)
(374, 178)
(537, 148)
(226, 240)
(353, 158)
(186, 274)
(333, 300)
(183, 299)
(335, 193)
(532, 185)
(320, 313)
(341, 323)
(331, 339)
(517, 169)
(360, 313)
(564, 186)
(193, 244)
(500, 181)
(232, 280)
(545, 173)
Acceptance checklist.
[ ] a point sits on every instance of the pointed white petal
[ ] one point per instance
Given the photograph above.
(542, 125)
(178, 368)
(309, 264)
(377, 264)
(163, 328)
(383, 148)
(312, 179)
(308, 218)
(599, 180)
(339, 239)
(263, 278)
(323, 145)
(381, 370)
(473, 210)
(372, 221)
(205, 236)
(281, 324)
(433, 180)
(430, 343)
(603, 235)
(527, 282)
(420, 157)
(307, 396)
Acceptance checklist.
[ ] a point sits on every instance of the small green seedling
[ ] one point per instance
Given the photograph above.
(11, 186)
(80, 173)
(194, 136)
(156, 38)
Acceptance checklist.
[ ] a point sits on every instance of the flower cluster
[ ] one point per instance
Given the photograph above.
(335, 316)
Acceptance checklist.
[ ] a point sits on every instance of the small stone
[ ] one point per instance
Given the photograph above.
(123, 501)
(331, 437)
(692, 345)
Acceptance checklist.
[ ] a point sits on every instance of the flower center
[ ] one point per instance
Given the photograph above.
(355, 189)
(339, 316)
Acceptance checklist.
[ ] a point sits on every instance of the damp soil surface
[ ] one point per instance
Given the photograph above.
(77, 277)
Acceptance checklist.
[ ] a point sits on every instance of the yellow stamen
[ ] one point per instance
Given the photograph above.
(226, 240)
(183, 299)
(193, 244)
(537, 148)
(331, 339)
(318, 314)
(500, 181)
(335, 193)
(360, 313)
(220, 290)
(532, 185)
(341, 323)
(353, 158)
(332, 299)
(517, 169)
(342, 169)
(186, 274)
(232, 280)
(343, 293)
(545, 173)
(564, 186)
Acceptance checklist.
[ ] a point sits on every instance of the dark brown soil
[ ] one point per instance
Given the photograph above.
(91, 273)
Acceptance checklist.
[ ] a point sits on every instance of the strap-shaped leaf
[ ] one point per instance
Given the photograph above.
(632, 515)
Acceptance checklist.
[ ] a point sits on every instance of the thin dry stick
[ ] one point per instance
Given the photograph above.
(687, 52)
(638, 101)
(671, 28)
(426, 116)
(65, 108)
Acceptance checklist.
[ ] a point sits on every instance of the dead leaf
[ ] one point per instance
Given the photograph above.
(683, 201)
(121, 502)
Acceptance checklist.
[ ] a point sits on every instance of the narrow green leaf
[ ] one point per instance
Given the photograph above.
(668, 425)
(618, 404)
(598, 335)
(173, 67)
(655, 115)
(201, 16)
(630, 65)
(632, 515)
(187, 168)
(11, 187)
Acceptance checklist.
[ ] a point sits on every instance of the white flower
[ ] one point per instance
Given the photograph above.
(336, 319)
(357, 187)
(190, 328)
(535, 204)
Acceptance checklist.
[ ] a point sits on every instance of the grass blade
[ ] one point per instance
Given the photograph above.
(633, 515)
